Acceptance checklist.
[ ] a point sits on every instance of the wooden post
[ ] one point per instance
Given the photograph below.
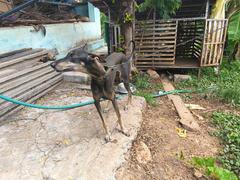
(207, 9)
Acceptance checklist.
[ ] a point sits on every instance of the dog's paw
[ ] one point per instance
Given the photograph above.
(125, 108)
(124, 132)
(108, 138)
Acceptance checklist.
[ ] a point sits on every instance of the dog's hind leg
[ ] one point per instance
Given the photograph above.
(107, 108)
(115, 105)
(98, 106)
(129, 101)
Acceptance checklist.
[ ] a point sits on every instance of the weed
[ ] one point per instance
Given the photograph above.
(225, 87)
(146, 88)
(210, 168)
(228, 126)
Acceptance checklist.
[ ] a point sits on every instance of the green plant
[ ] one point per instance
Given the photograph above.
(210, 168)
(228, 126)
(128, 18)
(148, 97)
(165, 8)
(103, 19)
(225, 87)
(233, 35)
(146, 88)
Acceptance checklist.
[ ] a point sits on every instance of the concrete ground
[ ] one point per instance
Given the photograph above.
(40, 144)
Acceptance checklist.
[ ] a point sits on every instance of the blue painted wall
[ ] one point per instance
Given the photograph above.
(60, 36)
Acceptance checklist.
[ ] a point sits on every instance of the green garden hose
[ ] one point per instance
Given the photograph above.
(6, 98)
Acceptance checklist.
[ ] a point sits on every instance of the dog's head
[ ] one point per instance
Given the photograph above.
(80, 60)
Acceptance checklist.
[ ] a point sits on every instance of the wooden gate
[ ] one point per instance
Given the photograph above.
(214, 40)
(155, 43)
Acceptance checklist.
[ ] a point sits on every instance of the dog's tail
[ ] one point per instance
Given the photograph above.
(133, 49)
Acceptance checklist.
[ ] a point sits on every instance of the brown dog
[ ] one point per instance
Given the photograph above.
(103, 77)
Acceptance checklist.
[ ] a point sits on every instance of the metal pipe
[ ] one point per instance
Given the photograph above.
(18, 8)
(55, 3)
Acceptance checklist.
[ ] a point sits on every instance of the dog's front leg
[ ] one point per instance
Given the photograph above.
(115, 105)
(98, 106)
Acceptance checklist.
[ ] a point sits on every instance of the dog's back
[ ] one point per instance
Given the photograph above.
(115, 58)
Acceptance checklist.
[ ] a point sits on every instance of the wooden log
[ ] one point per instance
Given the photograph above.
(186, 118)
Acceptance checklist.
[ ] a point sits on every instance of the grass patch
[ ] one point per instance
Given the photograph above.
(146, 88)
(210, 168)
(225, 87)
(228, 130)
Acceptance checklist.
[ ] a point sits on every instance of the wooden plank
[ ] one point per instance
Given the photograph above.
(162, 59)
(153, 64)
(21, 59)
(154, 51)
(7, 72)
(20, 54)
(159, 34)
(154, 55)
(21, 73)
(24, 79)
(13, 52)
(30, 94)
(157, 47)
(5, 118)
(137, 39)
(31, 85)
(154, 42)
(26, 64)
(156, 29)
(186, 118)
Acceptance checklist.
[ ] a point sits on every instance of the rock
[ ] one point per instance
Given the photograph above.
(153, 74)
(76, 77)
(143, 154)
(180, 77)
(197, 173)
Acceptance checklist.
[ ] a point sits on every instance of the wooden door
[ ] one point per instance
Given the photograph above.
(214, 40)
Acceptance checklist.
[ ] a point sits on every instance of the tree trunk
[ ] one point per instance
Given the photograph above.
(127, 28)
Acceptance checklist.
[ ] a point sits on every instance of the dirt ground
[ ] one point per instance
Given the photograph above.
(170, 153)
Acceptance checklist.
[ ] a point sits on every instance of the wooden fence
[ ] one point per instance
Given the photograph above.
(214, 40)
(155, 43)
(179, 43)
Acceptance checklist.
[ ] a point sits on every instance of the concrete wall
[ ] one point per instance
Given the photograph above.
(60, 36)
